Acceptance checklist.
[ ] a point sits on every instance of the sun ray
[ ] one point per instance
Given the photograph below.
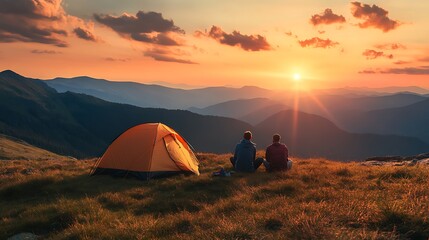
(321, 106)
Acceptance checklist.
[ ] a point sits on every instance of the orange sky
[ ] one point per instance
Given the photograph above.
(212, 43)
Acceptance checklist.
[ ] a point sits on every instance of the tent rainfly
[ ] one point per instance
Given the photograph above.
(147, 151)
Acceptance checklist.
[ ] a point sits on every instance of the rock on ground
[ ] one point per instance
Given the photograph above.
(24, 236)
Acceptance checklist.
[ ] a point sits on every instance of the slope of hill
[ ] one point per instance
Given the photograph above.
(15, 149)
(317, 199)
(107, 120)
(81, 125)
(412, 120)
(155, 96)
(334, 107)
(33, 112)
(314, 136)
(237, 108)
(366, 91)
(256, 117)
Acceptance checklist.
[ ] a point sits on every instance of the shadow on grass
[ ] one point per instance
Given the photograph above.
(408, 226)
(168, 198)
(49, 188)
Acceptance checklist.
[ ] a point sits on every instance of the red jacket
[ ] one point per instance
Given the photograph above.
(277, 155)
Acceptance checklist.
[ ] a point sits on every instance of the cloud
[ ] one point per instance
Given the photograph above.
(327, 17)
(36, 9)
(148, 27)
(164, 55)
(38, 21)
(37, 51)
(424, 59)
(85, 34)
(318, 43)
(368, 71)
(372, 54)
(290, 34)
(401, 62)
(422, 70)
(160, 39)
(390, 46)
(246, 42)
(110, 59)
(373, 16)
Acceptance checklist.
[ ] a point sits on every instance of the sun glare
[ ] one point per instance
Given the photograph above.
(297, 77)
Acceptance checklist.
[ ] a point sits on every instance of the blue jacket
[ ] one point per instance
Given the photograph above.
(244, 155)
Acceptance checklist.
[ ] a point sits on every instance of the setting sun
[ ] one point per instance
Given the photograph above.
(297, 77)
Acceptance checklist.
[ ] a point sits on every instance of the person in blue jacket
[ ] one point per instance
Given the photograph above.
(244, 159)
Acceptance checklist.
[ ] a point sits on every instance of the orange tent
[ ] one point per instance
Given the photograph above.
(147, 151)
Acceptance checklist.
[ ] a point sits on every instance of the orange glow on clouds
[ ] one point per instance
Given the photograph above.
(271, 44)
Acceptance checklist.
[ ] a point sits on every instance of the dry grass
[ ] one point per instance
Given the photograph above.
(15, 149)
(318, 199)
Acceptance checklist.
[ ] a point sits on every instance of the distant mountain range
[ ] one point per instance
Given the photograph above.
(154, 96)
(83, 126)
(411, 120)
(376, 91)
(239, 109)
(312, 136)
(159, 96)
(336, 108)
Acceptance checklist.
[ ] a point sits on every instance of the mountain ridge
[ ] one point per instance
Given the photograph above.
(83, 125)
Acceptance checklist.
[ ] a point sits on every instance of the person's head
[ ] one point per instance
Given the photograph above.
(247, 135)
(276, 138)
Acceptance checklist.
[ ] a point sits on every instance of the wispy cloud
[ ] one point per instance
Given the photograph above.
(38, 51)
(165, 55)
(390, 46)
(401, 62)
(422, 70)
(423, 59)
(111, 59)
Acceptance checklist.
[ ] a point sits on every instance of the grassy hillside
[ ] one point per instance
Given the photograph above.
(15, 149)
(81, 126)
(318, 199)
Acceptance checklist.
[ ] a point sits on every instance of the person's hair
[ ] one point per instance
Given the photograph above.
(276, 137)
(247, 135)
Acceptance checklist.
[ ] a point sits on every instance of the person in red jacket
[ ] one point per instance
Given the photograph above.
(277, 156)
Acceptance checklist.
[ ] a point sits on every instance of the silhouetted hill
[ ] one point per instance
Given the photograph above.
(412, 120)
(81, 125)
(366, 91)
(258, 116)
(107, 120)
(144, 95)
(33, 112)
(382, 102)
(336, 108)
(237, 108)
(314, 136)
